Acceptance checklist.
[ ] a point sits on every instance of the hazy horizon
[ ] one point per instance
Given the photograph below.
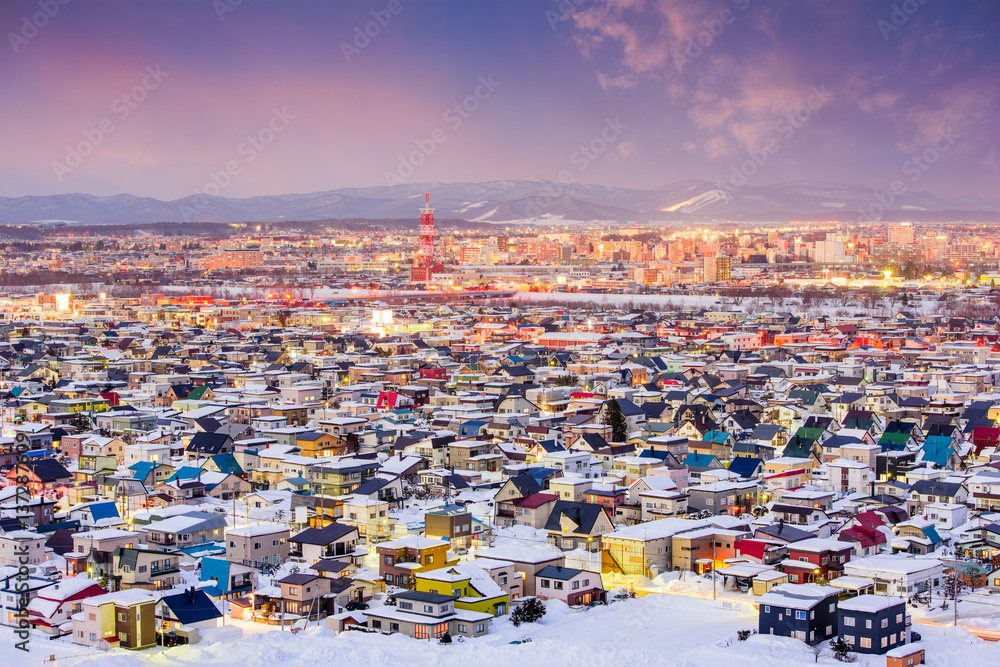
(259, 98)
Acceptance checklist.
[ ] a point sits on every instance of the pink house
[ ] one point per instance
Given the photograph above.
(56, 605)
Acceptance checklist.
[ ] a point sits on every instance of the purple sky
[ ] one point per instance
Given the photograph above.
(895, 82)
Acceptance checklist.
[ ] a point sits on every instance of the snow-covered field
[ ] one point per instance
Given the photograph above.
(655, 630)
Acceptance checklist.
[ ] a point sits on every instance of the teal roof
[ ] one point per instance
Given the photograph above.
(937, 449)
(141, 469)
(184, 473)
(700, 460)
(227, 463)
(718, 437)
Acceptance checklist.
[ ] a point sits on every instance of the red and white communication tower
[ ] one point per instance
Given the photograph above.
(427, 233)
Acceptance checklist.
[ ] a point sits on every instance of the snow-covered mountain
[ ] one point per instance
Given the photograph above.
(509, 201)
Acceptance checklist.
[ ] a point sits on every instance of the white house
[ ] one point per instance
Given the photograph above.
(899, 575)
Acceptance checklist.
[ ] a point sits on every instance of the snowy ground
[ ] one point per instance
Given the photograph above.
(655, 630)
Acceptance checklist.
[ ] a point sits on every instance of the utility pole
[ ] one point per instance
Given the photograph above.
(713, 568)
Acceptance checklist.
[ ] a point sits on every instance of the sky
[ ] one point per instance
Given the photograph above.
(256, 97)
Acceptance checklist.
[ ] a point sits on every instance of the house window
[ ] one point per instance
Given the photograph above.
(899, 618)
(376, 623)
(546, 583)
(576, 585)
(558, 585)
(868, 624)
(586, 582)
(428, 609)
(849, 639)
(885, 622)
(503, 581)
(121, 616)
(394, 627)
(800, 616)
(387, 560)
(480, 627)
(866, 642)
(849, 621)
(767, 609)
(463, 628)
(406, 605)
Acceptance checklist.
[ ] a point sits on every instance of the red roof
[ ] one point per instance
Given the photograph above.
(535, 500)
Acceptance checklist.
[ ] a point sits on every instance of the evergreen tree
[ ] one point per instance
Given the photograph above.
(841, 650)
(530, 611)
(614, 418)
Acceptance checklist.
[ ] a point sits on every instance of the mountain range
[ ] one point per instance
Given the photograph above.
(519, 201)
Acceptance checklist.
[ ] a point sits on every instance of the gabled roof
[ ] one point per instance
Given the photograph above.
(584, 515)
(191, 606)
(323, 536)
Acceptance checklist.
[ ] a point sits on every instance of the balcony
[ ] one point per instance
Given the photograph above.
(505, 512)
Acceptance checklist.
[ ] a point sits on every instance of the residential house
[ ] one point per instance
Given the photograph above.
(122, 619)
(572, 586)
(335, 540)
(801, 611)
(427, 616)
(400, 560)
(873, 623)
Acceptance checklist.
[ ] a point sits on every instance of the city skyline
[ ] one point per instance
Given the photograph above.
(155, 100)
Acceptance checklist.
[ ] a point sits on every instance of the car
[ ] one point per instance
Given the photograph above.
(356, 605)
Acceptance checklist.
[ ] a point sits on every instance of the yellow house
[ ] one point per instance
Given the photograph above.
(474, 588)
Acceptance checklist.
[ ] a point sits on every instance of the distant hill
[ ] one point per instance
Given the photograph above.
(513, 201)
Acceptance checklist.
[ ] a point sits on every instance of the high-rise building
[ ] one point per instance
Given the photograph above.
(901, 233)
(718, 269)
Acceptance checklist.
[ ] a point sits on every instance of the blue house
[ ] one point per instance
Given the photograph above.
(232, 579)
(873, 623)
(801, 611)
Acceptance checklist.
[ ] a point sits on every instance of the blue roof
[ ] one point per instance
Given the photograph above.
(718, 437)
(141, 469)
(937, 449)
(932, 534)
(106, 510)
(192, 606)
(205, 549)
(218, 569)
(471, 427)
(744, 466)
